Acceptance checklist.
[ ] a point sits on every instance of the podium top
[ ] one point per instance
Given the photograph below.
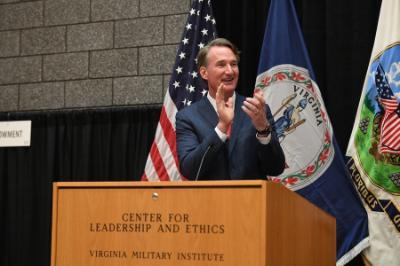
(170, 184)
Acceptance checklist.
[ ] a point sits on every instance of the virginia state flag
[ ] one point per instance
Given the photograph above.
(375, 142)
(314, 164)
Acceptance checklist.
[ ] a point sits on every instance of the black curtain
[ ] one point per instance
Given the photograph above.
(85, 145)
(112, 144)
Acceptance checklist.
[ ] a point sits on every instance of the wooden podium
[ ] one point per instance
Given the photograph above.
(224, 223)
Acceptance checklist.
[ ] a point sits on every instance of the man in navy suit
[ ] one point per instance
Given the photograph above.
(225, 135)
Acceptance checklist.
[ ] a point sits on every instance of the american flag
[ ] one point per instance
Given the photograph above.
(185, 87)
(390, 125)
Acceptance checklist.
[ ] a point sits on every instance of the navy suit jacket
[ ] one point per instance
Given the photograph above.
(242, 156)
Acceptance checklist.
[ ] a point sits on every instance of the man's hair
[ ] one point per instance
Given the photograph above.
(202, 54)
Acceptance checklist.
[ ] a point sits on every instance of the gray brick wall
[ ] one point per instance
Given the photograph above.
(57, 54)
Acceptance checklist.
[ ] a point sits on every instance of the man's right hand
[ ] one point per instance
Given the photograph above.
(224, 108)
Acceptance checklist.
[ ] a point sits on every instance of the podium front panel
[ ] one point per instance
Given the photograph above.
(136, 223)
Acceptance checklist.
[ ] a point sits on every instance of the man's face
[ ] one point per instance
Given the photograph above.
(223, 68)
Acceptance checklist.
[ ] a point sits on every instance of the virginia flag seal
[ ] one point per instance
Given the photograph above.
(301, 123)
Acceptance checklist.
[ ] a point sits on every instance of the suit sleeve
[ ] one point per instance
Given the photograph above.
(192, 146)
(271, 157)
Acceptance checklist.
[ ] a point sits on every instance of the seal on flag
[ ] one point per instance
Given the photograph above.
(301, 123)
(377, 140)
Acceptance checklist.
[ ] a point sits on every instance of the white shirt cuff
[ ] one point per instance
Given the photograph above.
(264, 140)
(221, 134)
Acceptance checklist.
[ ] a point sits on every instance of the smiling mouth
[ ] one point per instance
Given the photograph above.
(230, 80)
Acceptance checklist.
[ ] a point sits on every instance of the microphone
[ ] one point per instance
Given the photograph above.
(201, 162)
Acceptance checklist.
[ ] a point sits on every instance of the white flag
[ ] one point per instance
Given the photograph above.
(375, 141)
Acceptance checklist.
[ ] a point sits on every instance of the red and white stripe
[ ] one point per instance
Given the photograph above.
(162, 163)
(390, 128)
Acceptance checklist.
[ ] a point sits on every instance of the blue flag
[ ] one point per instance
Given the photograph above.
(314, 164)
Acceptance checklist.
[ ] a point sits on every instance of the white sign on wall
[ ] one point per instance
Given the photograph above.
(15, 133)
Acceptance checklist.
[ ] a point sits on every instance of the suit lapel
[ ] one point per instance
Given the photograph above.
(237, 122)
(207, 112)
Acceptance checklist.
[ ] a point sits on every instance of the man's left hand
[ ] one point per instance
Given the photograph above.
(254, 107)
